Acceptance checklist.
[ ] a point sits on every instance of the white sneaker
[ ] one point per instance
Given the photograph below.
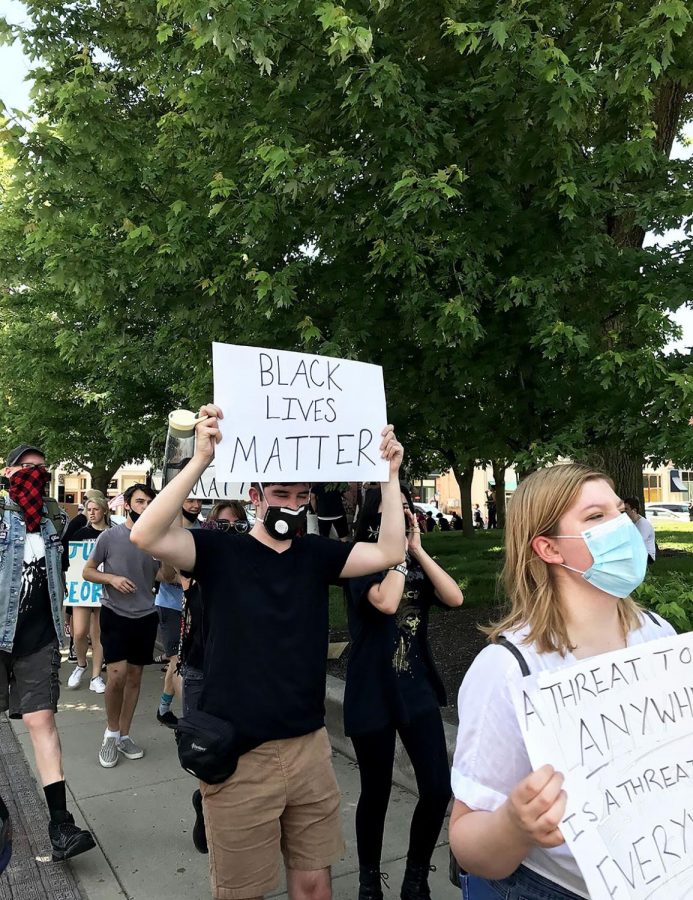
(98, 685)
(74, 681)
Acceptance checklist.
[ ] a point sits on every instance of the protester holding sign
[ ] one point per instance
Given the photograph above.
(266, 596)
(86, 619)
(392, 687)
(572, 559)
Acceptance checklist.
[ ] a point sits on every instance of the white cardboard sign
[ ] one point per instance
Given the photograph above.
(619, 726)
(298, 417)
(213, 489)
(78, 591)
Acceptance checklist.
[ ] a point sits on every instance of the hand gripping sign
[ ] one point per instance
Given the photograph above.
(297, 417)
(79, 592)
(619, 726)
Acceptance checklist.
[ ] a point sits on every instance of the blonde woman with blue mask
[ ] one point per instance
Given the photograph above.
(572, 560)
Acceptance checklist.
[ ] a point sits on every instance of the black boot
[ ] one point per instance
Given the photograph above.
(415, 883)
(370, 887)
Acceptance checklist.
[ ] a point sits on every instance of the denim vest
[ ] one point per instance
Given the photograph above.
(12, 533)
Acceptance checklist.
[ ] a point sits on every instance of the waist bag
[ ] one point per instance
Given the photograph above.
(208, 747)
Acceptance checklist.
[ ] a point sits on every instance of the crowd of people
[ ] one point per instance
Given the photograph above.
(241, 608)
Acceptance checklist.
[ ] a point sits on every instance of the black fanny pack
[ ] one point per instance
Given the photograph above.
(208, 747)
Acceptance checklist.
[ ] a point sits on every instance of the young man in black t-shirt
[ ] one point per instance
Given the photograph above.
(266, 599)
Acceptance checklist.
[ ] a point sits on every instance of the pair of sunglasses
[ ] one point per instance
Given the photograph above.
(236, 527)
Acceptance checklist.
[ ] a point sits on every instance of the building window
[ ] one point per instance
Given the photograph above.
(113, 485)
(652, 485)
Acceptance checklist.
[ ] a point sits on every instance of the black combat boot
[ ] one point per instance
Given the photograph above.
(370, 884)
(415, 883)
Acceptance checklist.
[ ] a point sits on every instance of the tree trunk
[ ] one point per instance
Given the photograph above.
(101, 475)
(624, 468)
(464, 478)
(499, 468)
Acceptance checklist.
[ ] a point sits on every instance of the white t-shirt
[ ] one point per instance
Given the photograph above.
(647, 531)
(490, 756)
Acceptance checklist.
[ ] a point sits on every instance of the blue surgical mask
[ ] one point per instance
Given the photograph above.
(618, 553)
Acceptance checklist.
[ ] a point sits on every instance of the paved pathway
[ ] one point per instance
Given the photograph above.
(32, 873)
(141, 816)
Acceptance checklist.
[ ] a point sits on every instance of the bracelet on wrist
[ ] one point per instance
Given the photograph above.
(401, 568)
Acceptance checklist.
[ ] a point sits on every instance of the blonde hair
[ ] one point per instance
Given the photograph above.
(536, 508)
(103, 506)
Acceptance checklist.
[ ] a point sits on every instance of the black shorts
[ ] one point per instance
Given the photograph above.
(130, 640)
(341, 526)
(30, 683)
(169, 629)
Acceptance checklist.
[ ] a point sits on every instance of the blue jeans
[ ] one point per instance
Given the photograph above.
(523, 884)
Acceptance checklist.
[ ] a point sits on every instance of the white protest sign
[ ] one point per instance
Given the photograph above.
(619, 726)
(298, 417)
(213, 489)
(79, 591)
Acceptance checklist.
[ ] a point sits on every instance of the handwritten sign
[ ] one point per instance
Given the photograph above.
(298, 417)
(79, 591)
(210, 488)
(620, 728)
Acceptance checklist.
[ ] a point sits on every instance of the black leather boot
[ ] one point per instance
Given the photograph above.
(370, 885)
(415, 883)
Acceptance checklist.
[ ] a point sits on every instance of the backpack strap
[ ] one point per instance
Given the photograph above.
(55, 514)
(516, 652)
(651, 615)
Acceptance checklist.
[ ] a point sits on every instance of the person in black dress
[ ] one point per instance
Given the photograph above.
(392, 687)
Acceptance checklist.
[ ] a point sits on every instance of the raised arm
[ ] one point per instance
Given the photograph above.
(157, 530)
(366, 558)
(446, 588)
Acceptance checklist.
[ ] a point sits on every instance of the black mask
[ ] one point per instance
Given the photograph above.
(283, 523)
(133, 515)
(191, 517)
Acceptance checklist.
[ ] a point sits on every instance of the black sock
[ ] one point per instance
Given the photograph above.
(55, 798)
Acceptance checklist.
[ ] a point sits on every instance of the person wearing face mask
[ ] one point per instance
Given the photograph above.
(128, 622)
(169, 604)
(31, 630)
(572, 559)
(265, 597)
(392, 687)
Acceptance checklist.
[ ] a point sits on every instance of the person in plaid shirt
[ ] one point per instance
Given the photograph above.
(31, 629)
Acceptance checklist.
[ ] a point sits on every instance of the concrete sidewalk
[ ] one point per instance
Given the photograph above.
(141, 816)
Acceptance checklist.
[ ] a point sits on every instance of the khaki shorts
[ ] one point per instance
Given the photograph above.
(282, 797)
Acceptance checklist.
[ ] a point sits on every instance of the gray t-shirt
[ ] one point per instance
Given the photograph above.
(121, 557)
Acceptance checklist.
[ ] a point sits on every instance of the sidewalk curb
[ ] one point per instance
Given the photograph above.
(403, 773)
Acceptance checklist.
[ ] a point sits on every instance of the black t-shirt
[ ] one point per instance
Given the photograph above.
(73, 526)
(267, 615)
(35, 627)
(330, 503)
(194, 628)
(88, 533)
(391, 677)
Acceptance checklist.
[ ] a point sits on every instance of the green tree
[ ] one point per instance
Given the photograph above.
(455, 190)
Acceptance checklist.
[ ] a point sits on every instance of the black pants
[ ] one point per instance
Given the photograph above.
(424, 741)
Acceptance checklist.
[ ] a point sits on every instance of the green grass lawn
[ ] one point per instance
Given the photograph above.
(476, 562)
